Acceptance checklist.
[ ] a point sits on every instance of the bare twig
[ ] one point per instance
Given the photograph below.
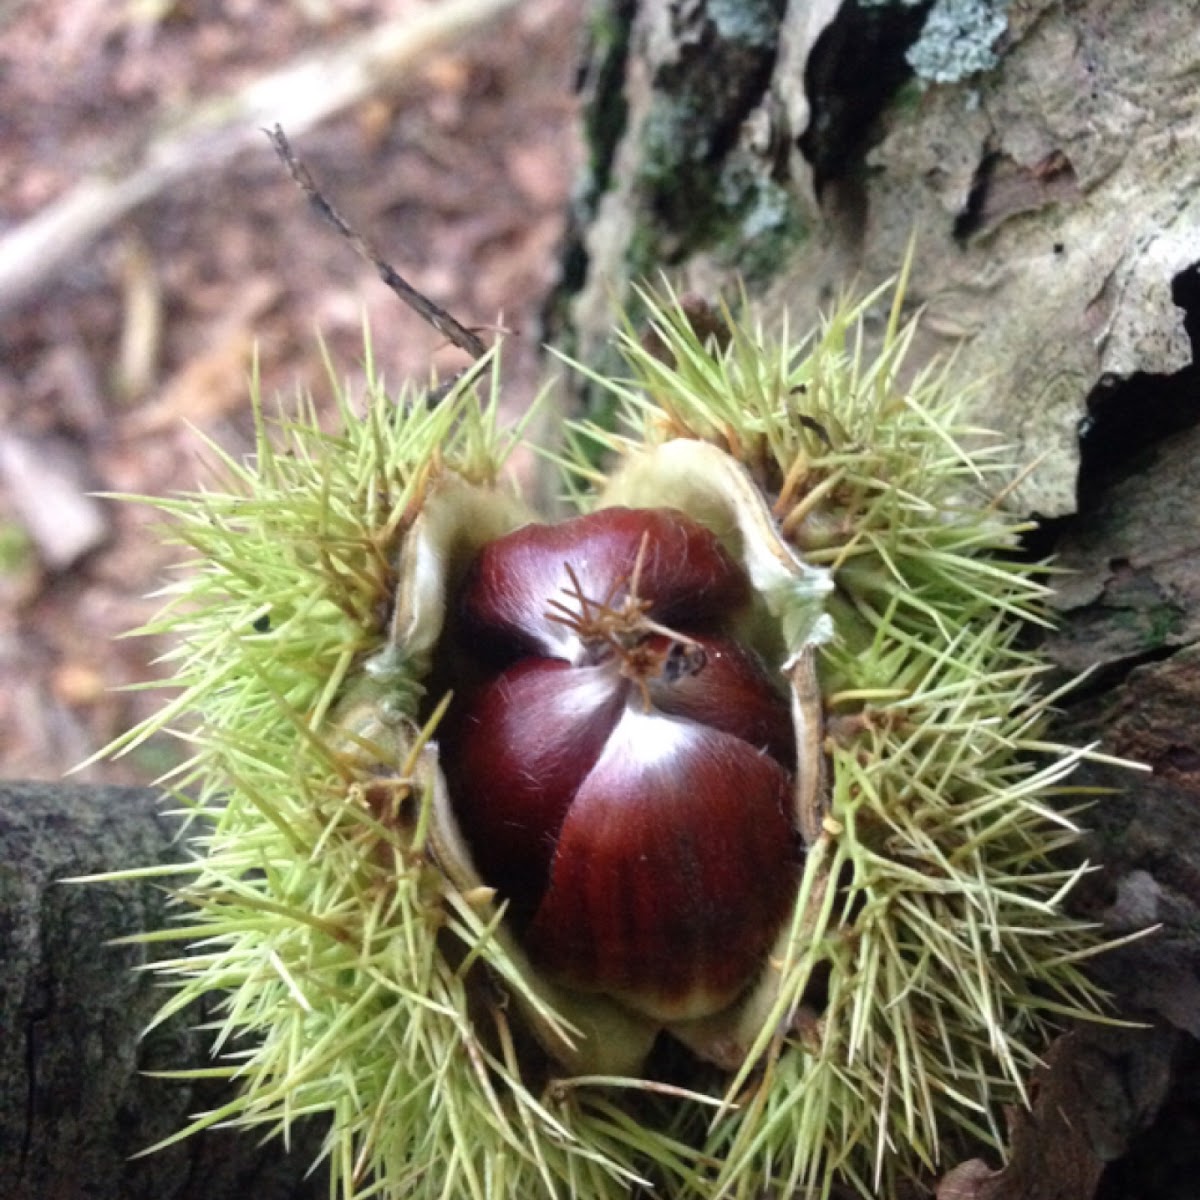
(437, 316)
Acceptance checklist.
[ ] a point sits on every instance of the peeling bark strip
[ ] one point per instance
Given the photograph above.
(1055, 188)
(74, 1102)
(1113, 1078)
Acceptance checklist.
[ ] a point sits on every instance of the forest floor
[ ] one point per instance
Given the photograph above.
(116, 370)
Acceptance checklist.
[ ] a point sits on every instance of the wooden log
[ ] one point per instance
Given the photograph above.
(75, 1104)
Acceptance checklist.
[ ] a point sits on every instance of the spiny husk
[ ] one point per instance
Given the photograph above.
(930, 954)
(928, 951)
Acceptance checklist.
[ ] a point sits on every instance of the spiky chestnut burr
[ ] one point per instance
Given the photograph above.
(367, 966)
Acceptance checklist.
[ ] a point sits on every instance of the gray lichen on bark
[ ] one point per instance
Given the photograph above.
(689, 167)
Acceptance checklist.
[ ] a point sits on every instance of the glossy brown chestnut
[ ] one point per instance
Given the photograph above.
(622, 773)
(516, 755)
(685, 574)
(672, 871)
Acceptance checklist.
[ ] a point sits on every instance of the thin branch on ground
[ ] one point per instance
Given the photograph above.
(448, 326)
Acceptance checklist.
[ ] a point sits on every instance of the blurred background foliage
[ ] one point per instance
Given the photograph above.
(151, 247)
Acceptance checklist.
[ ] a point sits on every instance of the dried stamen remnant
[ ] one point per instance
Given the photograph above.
(623, 773)
(619, 629)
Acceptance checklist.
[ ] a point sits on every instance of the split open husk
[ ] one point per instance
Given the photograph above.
(365, 973)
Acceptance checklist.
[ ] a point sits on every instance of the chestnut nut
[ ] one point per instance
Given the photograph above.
(622, 772)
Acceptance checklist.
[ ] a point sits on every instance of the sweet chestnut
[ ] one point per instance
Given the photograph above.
(622, 773)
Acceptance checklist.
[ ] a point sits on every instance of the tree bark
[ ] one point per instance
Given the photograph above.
(1043, 159)
(1054, 199)
(74, 1102)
